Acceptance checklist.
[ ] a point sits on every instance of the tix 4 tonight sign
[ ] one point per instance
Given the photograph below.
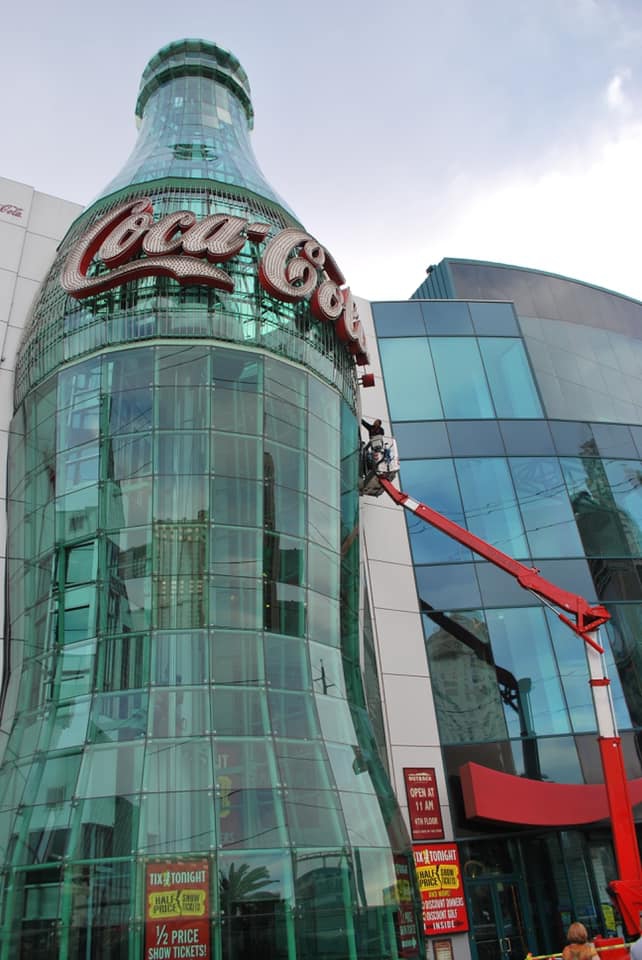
(441, 888)
(293, 268)
(177, 912)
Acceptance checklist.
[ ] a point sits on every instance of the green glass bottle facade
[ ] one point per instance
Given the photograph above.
(183, 603)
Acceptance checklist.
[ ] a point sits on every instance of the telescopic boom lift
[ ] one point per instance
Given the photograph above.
(380, 465)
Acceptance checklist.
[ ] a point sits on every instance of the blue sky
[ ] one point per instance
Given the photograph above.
(496, 129)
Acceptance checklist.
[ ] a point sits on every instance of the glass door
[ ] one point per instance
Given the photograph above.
(497, 919)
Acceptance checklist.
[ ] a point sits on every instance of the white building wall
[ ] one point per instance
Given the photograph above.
(31, 227)
(409, 709)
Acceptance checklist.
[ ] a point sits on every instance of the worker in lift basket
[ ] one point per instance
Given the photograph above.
(579, 946)
(374, 451)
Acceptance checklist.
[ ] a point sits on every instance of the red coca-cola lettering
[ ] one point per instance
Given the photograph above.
(294, 266)
(11, 209)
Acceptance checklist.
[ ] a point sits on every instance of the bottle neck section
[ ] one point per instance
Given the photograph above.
(194, 128)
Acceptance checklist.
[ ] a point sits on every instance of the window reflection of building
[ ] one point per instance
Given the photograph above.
(464, 679)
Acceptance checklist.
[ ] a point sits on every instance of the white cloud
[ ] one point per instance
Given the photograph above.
(580, 219)
(616, 98)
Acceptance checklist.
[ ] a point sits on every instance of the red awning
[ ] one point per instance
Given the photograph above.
(505, 798)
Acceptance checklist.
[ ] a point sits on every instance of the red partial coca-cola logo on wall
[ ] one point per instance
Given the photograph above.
(294, 266)
(12, 210)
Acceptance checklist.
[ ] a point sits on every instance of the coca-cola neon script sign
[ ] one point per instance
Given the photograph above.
(294, 267)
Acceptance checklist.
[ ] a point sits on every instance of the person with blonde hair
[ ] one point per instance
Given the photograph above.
(579, 946)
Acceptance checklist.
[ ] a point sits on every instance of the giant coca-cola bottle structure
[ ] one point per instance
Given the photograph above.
(190, 770)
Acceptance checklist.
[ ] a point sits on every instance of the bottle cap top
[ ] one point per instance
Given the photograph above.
(194, 58)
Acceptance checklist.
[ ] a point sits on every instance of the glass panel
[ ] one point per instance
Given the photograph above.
(236, 403)
(170, 764)
(625, 477)
(443, 317)
(286, 663)
(398, 319)
(463, 397)
(434, 482)
(511, 382)
(527, 437)
(183, 382)
(238, 500)
(421, 440)
(494, 319)
(238, 712)
(410, 380)
(234, 456)
(128, 376)
(118, 717)
(236, 658)
(474, 438)
(489, 502)
(129, 457)
(179, 658)
(292, 715)
(447, 587)
(180, 712)
(108, 827)
(109, 770)
(601, 525)
(522, 645)
(466, 683)
(179, 822)
(545, 506)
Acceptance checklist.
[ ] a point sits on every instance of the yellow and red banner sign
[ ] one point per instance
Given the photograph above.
(441, 887)
(177, 910)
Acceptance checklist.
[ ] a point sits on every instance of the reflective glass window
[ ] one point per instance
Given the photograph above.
(236, 658)
(466, 396)
(118, 717)
(176, 822)
(475, 438)
(526, 437)
(573, 439)
(447, 587)
(127, 380)
(410, 381)
(625, 480)
(183, 387)
(434, 482)
(490, 503)
(573, 672)
(234, 456)
(545, 506)
(614, 440)
(398, 319)
(235, 603)
(446, 317)
(600, 523)
(421, 439)
(128, 457)
(171, 763)
(238, 500)
(511, 382)
(494, 319)
(286, 663)
(238, 712)
(292, 715)
(467, 686)
(522, 645)
(178, 658)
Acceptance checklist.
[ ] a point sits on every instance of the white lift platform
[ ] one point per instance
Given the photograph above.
(379, 458)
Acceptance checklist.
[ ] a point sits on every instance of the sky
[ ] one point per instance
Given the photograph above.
(501, 130)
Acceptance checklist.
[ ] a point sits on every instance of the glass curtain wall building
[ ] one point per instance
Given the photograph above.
(190, 764)
(522, 421)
